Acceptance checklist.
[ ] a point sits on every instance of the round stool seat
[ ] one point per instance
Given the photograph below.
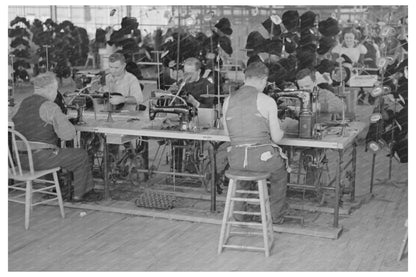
(246, 175)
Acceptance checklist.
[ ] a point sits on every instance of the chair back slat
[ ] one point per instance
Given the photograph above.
(19, 144)
(12, 165)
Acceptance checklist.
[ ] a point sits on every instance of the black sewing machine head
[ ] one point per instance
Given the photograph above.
(174, 105)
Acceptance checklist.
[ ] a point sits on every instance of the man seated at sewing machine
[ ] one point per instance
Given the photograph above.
(194, 85)
(122, 82)
(250, 119)
(42, 122)
(328, 104)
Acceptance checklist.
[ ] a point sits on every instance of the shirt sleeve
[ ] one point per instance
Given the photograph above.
(336, 49)
(363, 49)
(52, 114)
(135, 90)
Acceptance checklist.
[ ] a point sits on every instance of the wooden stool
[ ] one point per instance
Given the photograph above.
(265, 214)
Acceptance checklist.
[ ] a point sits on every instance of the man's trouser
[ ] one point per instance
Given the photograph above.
(255, 162)
(71, 159)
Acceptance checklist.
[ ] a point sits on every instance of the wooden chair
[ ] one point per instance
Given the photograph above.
(23, 179)
(266, 223)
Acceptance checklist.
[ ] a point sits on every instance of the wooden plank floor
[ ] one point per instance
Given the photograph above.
(103, 241)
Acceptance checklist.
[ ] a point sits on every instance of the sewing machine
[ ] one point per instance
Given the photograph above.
(306, 113)
(172, 104)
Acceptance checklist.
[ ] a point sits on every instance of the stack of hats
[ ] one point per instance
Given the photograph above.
(328, 28)
(128, 36)
(308, 33)
(189, 46)
(290, 20)
(306, 51)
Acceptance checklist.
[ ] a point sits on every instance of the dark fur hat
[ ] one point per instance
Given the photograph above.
(273, 47)
(290, 20)
(329, 27)
(325, 44)
(326, 66)
(129, 23)
(268, 23)
(224, 26)
(307, 20)
(254, 41)
(277, 73)
(291, 41)
(307, 36)
(306, 56)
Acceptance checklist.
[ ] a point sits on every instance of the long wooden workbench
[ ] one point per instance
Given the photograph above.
(142, 126)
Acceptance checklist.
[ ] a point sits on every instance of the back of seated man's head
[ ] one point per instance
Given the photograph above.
(117, 57)
(256, 70)
(45, 84)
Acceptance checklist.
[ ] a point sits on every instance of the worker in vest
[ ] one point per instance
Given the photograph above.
(39, 119)
(250, 119)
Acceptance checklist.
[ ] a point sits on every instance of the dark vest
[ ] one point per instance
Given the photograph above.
(27, 121)
(244, 122)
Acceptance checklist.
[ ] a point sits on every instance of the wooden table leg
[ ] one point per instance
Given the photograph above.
(354, 170)
(338, 186)
(213, 156)
(105, 157)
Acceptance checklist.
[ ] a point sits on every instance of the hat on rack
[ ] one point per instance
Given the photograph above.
(254, 59)
(307, 20)
(307, 36)
(225, 44)
(254, 41)
(326, 66)
(329, 27)
(290, 64)
(272, 46)
(346, 59)
(268, 23)
(342, 73)
(290, 20)
(325, 44)
(128, 24)
(290, 41)
(277, 73)
(306, 56)
(224, 26)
